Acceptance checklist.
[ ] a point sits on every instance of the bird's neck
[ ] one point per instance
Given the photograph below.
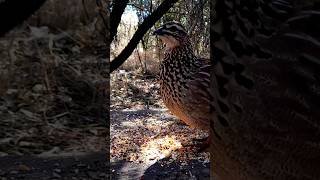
(180, 61)
(182, 54)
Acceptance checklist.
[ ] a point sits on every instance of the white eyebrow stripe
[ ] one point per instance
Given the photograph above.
(179, 27)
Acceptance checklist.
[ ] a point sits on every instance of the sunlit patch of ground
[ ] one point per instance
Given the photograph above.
(160, 148)
(143, 131)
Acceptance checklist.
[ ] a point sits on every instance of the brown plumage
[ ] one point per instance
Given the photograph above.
(184, 78)
(266, 82)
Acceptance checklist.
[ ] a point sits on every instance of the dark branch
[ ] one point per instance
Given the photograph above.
(14, 12)
(136, 6)
(117, 10)
(138, 35)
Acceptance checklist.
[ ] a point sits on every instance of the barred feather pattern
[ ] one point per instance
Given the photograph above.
(184, 85)
(266, 82)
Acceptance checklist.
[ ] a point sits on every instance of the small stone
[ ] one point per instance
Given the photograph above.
(38, 88)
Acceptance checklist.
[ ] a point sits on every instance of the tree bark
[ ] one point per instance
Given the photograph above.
(117, 11)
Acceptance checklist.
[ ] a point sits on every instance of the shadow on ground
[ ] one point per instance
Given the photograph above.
(163, 169)
(69, 166)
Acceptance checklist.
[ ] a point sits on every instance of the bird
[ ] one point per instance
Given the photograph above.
(266, 86)
(184, 79)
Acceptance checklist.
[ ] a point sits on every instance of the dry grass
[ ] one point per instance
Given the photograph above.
(147, 62)
(51, 82)
(61, 14)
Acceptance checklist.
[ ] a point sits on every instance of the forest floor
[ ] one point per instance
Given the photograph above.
(53, 121)
(146, 140)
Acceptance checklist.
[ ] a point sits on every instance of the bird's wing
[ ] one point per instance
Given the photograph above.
(198, 96)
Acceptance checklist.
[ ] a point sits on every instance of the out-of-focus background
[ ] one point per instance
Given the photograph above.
(54, 87)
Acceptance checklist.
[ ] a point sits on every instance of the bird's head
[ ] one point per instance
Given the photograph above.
(172, 34)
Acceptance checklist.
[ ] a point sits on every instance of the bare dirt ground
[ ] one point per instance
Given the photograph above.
(146, 140)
